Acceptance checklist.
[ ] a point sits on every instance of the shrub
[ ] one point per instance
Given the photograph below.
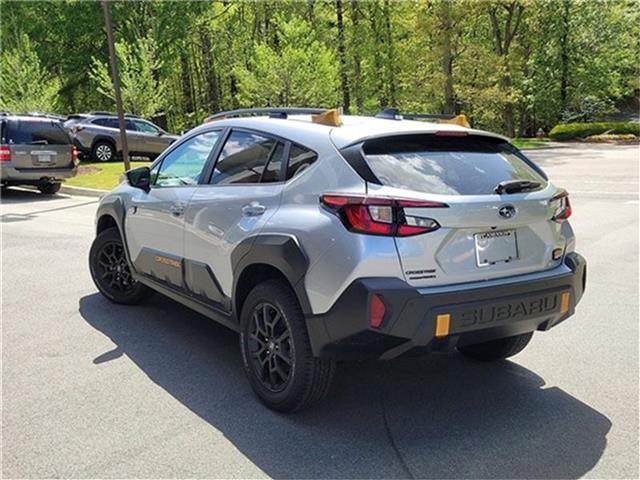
(612, 138)
(568, 131)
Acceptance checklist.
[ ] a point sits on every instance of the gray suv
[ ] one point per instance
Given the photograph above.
(322, 238)
(35, 150)
(97, 135)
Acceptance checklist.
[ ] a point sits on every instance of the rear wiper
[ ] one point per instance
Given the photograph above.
(515, 186)
(39, 142)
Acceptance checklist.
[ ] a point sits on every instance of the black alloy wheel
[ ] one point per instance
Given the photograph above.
(111, 272)
(270, 347)
(113, 269)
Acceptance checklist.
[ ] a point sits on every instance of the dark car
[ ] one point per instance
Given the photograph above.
(97, 135)
(35, 150)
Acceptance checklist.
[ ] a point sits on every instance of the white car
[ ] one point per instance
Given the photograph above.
(320, 237)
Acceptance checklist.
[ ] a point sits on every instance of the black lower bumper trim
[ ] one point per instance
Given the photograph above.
(476, 315)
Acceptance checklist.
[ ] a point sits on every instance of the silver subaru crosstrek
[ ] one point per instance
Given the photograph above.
(321, 238)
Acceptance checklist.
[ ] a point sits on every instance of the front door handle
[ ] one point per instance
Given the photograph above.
(176, 209)
(253, 209)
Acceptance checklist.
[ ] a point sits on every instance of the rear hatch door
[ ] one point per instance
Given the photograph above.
(483, 234)
(38, 144)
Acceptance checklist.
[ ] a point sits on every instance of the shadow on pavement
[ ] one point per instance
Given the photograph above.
(23, 195)
(12, 196)
(437, 417)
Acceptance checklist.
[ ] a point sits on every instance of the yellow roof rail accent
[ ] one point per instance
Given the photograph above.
(458, 120)
(330, 118)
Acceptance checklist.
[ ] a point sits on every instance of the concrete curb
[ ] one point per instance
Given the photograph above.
(81, 191)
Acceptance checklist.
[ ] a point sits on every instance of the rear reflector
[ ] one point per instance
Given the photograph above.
(5, 154)
(443, 322)
(381, 215)
(376, 311)
(564, 302)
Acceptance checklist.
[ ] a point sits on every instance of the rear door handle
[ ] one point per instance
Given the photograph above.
(176, 209)
(253, 209)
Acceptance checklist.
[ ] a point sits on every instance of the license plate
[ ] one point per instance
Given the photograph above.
(496, 247)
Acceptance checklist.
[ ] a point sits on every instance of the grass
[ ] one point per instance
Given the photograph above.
(529, 143)
(103, 176)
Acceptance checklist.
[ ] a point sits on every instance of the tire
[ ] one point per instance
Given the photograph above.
(110, 271)
(497, 349)
(271, 311)
(103, 151)
(49, 188)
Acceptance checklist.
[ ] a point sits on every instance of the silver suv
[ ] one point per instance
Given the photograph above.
(97, 135)
(320, 239)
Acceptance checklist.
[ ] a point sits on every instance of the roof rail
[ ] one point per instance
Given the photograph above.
(113, 114)
(394, 114)
(282, 112)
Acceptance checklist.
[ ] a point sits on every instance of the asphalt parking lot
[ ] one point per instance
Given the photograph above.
(91, 389)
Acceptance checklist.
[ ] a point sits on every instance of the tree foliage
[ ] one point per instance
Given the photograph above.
(24, 84)
(143, 93)
(510, 65)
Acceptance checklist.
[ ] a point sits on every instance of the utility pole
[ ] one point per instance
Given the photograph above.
(115, 77)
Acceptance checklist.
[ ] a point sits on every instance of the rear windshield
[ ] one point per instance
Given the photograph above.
(470, 165)
(45, 132)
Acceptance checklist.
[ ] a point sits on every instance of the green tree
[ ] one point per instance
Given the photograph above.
(24, 84)
(302, 71)
(143, 93)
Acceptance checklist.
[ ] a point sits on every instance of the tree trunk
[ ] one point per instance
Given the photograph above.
(357, 60)
(447, 57)
(391, 80)
(564, 55)
(377, 63)
(185, 82)
(344, 81)
(211, 78)
(503, 37)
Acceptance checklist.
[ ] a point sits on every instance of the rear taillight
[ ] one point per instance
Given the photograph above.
(381, 215)
(74, 154)
(5, 154)
(562, 206)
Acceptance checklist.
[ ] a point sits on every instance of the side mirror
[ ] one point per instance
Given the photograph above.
(160, 133)
(140, 178)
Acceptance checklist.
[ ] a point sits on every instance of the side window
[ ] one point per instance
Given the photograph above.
(102, 122)
(300, 158)
(273, 172)
(129, 125)
(244, 157)
(146, 127)
(184, 165)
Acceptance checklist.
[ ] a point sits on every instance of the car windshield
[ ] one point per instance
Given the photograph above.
(448, 165)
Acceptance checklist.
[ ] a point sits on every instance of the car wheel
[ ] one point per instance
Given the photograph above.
(110, 270)
(497, 349)
(103, 152)
(276, 351)
(49, 188)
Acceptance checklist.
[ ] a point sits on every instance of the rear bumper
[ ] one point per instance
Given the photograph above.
(476, 313)
(35, 175)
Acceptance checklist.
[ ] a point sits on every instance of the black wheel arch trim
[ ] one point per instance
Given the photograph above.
(112, 206)
(282, 252)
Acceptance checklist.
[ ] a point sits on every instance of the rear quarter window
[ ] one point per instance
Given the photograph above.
(470, 165)
(300, 158)
(36, 132)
